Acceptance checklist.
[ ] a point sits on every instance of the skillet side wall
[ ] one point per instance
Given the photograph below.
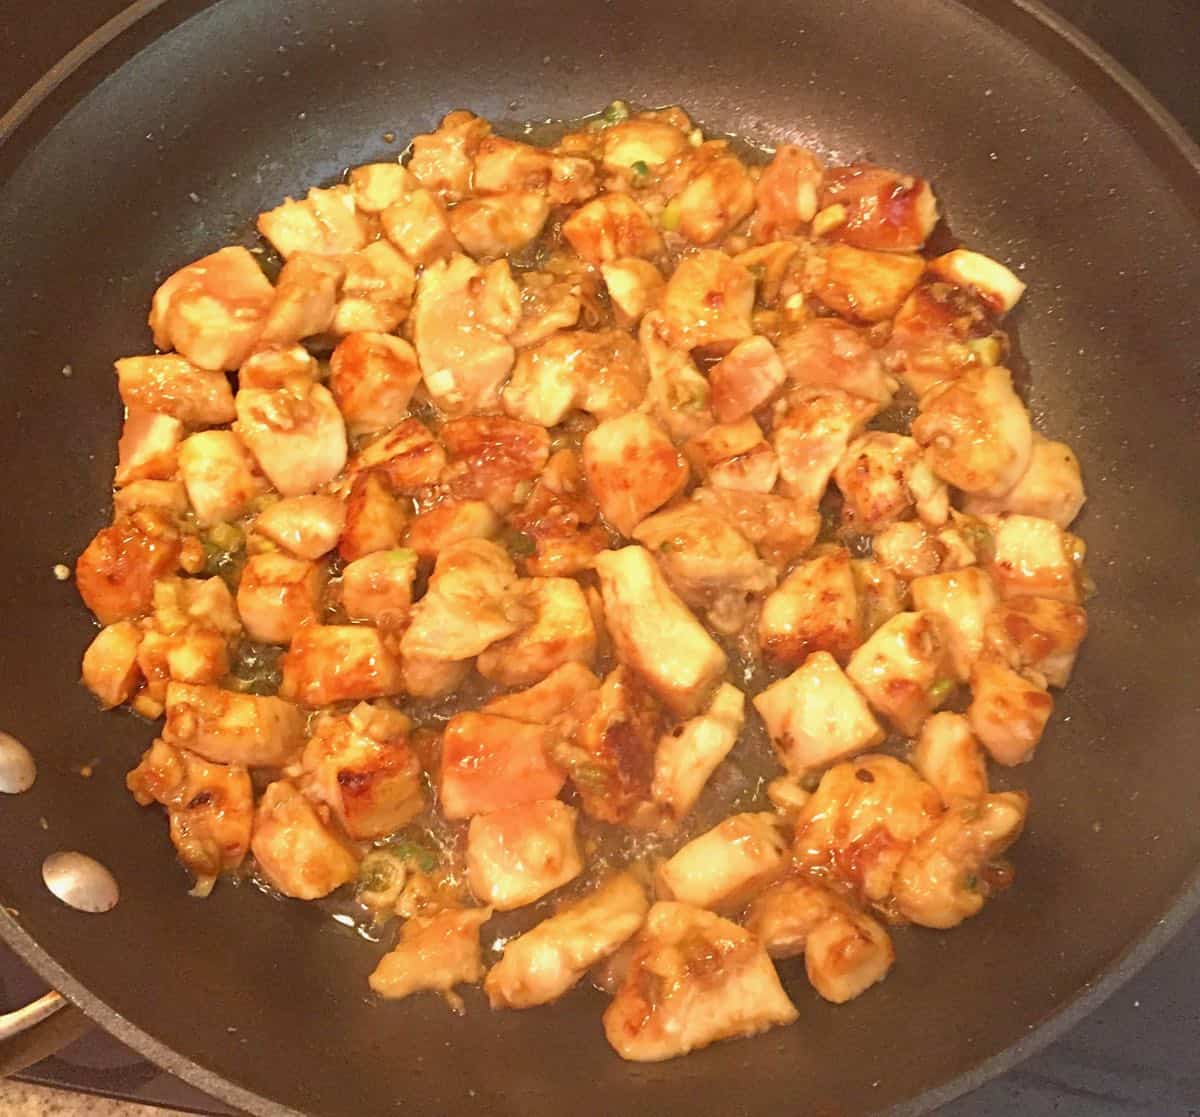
(272, 995)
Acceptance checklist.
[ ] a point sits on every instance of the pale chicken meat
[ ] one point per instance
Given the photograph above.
(612, 227)
(168, 384)
(306, 296)
(948, 756)
(734, 456)
(716, 200)
(881, 209)
(690, 753)
(634, 286)
(375, 186)
(442, 161)
(881, 594)
(451, 522)
(148, 449)
(379, 587)
(831, 353)
(305, 526)
(813, 428)
(633, 469)
(723, 867)
(436, 952)
(707, 302)
(279, 366)
(1033, 557)
(679, 395)
(1036, 634)
(908, 549)
(229, 728)
(1051, 487)
(989, 280)
(277, 595)
(787, 192)
(329, 663)
(219, 474)
(518, 854)
(883, 478)
(815, 608)
(419, 226)
(562, 691)
(962, 600)
(296, 435)
(500, 223)
(326, 223)
(642, 140)
(110, 664)
(296, 848)
(1008, 712)
(376, 291)
(781, 528)
(745, 379)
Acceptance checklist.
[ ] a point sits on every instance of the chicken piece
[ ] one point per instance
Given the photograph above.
(745, 379)
(716, 200)
(296, 849)
(432, 678)
(306, 526)
(442, 161)
(338, 663)
(110, 669)
(993, 283)
(519, 854)
(148, 449)
(306, 294)
(780, 527)
(947, 756)
(472, 601)
(435, 952)
(502, 165)
(1050, 488)
(944, 878)
(861, 820)
(205, 602)
(815, 608)
(212, 312)
(707, 562)
(499, 224)
(632, 468)
(377, 291)
(883, 478)
(116, 572)
(561, 692)
(1032, 557)
(708, 302)
(688, 755)
(655, 634)
(490, 763)
(641, 140)
(296, 435)
(279, 594)
(678, 394)
(167, 497)
(726, 865)
(908, 550)
(460, 320)
(560, 632)
(611, 227)
(361, 767)
(962, 600)
(420, 227)
(734, 456)
(325, 223)
(881, 595)
(634, 287)
(559, 523)
(600, 372)
(378, 587)
(904, 669)
(375, 520)
(171, 385)
(694, 978)
(1008, 712)
(777, 268)
(279, 366)
(812, 432)
(230, 728)
(198, 656)
(451, 522)
(210, 807)
(408, 457)
(845, 950)
(830, 353)
(376, 186)
(883, 210)
(550, 302)
(541, 965)
(493, 458)
(219, 476)
(787, 192)
(1036, 634)
(860, 285)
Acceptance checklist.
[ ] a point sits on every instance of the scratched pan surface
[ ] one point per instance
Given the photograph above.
(162, 147)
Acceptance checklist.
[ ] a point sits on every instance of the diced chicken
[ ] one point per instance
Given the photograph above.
(552, 302)
(787, 795)
(558, 693)
(815, 608)
(325, 223)
(561, 520)
(634, 286)
(1050, 488)
(198, 656)
(734, 456)
(205, 602)
(716, 200)
(210, 807)
(947, 756)
(708, 302)
(830, 353)
(500, 223)
(908, 550)
(493, 458)
(1008, 712)
(376, 292)
(168, 497)
(372, 377)
(883, 478)
(420, 227)
(116, 572)
(992, 282)
(213, 311)
(707, 562)
(811, 435)
(726, 865)
(1032, 557)
(881, 595)
(561, 631)
(845, 950)
(296, 435)
(678, 393)
(518, 854)
(654, 632)
(611, 227)
(277, 595)
(694, 978)
(1036, 634)
(148, 449)
(296, 849)
(541, 965)
(780, 527)
(378, 587)
(306, 294)
(687, 756)
(338, 663)
(944, 878)
(451, 522)
(787, 192)
(408, 456)
(641, 140)
(432, 678)
(502, 165)
(219, 476)
(361, 767)
(883, 209)
(435, 952)
(375, 519)
(861, 821)
(777, 268)
(375, 186)
(306, 526)
(745, 379)
(171, 385)
(861, 285)
(442, 161)
(632, 468)
(230, 728)
(962, 599)
(279, 366)
(491, 762)
(110, 669)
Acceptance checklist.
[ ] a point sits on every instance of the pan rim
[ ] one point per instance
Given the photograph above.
(1185, 904)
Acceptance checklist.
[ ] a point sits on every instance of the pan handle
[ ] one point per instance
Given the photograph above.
(37, 1030)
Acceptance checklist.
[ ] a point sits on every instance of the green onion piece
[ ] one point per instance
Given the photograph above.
(939, 690)
(670, 216)
(971, 882)
(406, 849)
(521, 543)
(640, 169)
(616, 112)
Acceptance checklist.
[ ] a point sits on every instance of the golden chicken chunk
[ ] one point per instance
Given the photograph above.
(518, 854)
(1050, 488)
(883, 478)
(716, 200)
(229, 728)
(325, 223)
(781, 528)
(879, 209)
(110, 664)
(832, 353)
(745, 379)
(1038, 634)
(948, 756)
(688, 755)
(436, 952)
(787, 193)
(612, 227)
(171, 385)
(735, 456)
(305, 526)
(117, 570)
(678, 393)
(493, 458)
(1008, 712)
(148, 449)
(378, 587)
(279, 366)
(375, 519)
(220, 476)
(814, 609)
(451, 522)
(813, 428)
(338, 663)
(442, 161)
(992, 282)
(723, 867)
(634, 286)
(407, 457)
(707, 303)
(860, 285)
(962, 600)
(296, 434)
(500, 223)
(642, 140)
(633, 468)
(295, 848)
(559, 692)
(419, 226)
(277, 595)
(561, 631)
(375, 186)
(306, 296)
(376, 291)
(1032, 557)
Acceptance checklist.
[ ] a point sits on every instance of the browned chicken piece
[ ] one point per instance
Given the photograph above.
(780, 527)
(688, 754)
(279, 366)
(376, 292)
(230, 728)
(1036, 634)
(1051, 487)
(883, 478)
(220, 476)
(325, 223)
(296, 435)
(517, 855)
(611, 227)
(693, 978)
(171, 385)
(745, 379)
(493, 458)
(633, 468)
(210, 807)
(655, 634)
(500, 223)
(375, 186)
(561, 631)
(559, 523)
(361, 767)
(908, 550)
(420, 227)
(777, 268)
(379, 587)
(991, 282)
(110, 664)
(306, 295)
(305, 526)
(551, 302)
(734, 456)
(723, 867)
(861, 285)
(878, 209)
(560, 692)
(148, 449)
(830, 353)
(424, 677)
(116, 572)
(881, 594)
(845, 950)
(787, 193)
(212, 312)
(408, 457)
(716, 200)
(634, 287)
(812, 431)
(451, 522)
(198, 656)
(678, 393)
(1008, 712)
(338, 663)
(948, 756)
(641, 139)
(1032, 557)
(277, 595)
(708, 302)
(815, 608)
(435, 952)
(502, 165)
(375, 519)
(442, 161)
(296, 849)
(962, 600)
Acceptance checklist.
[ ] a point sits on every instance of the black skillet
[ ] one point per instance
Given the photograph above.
(162, 144)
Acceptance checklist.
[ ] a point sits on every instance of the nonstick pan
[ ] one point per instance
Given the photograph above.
(163, 143)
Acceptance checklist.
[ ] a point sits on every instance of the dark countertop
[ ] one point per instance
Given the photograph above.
(1137, 1053)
